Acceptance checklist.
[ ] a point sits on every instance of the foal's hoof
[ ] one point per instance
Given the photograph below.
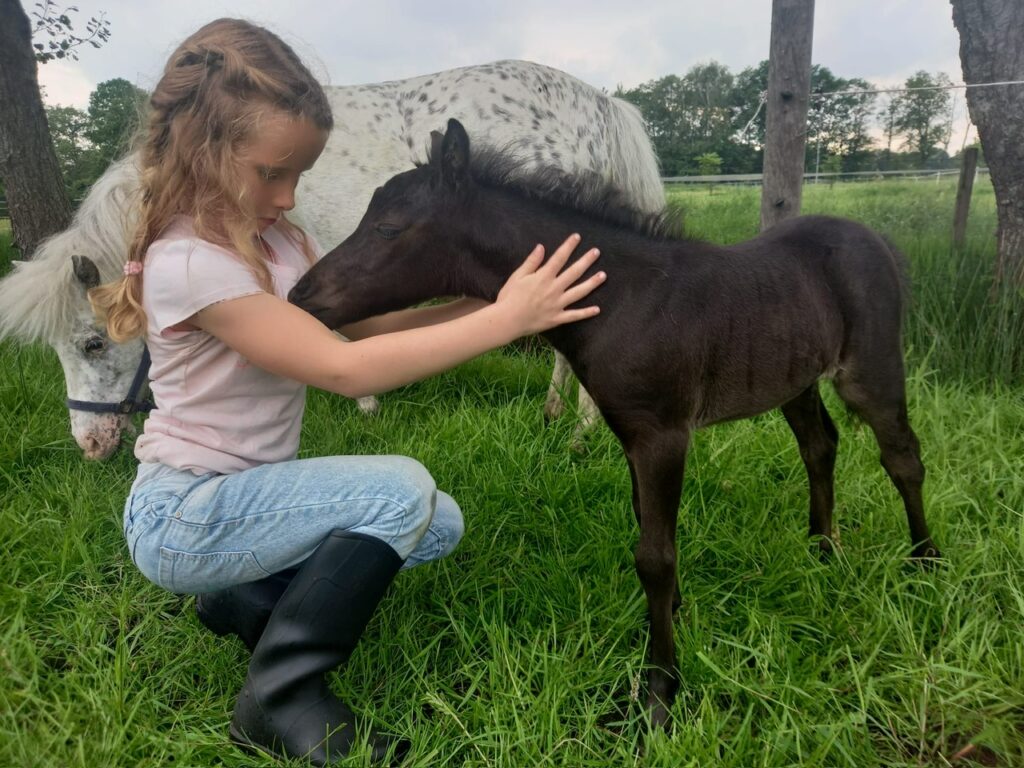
(824, 548)
(658, 712)
(927, 554)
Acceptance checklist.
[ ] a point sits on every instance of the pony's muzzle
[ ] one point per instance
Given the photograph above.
(99, 436)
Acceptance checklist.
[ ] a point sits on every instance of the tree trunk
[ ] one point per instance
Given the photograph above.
(38, 203)
(992, 50)
(789, 89)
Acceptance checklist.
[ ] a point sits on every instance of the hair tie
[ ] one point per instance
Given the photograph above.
(209, 59)
(214, 59)
(132, 268)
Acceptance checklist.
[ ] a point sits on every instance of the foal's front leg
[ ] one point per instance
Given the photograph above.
(677, 599)
(658, 461)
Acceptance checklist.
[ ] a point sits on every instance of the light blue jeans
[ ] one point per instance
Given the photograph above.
(198, 533)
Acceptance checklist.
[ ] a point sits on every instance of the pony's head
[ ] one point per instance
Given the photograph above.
(45, 300)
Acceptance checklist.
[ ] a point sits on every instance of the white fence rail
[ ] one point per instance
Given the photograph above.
(755, 178)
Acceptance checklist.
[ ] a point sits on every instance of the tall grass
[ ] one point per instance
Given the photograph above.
(526, 646)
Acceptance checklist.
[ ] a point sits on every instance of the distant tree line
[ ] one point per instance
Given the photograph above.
(88, 140)
(712, 120)
(706, 122)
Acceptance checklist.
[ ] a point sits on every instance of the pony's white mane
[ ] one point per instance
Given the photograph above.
(40, 298)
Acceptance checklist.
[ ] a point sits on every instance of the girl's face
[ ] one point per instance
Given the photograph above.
(283, 148)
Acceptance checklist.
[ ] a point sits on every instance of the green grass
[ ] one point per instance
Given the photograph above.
(523, 648)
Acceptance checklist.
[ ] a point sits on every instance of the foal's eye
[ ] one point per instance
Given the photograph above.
(94, 345)
(388, 232)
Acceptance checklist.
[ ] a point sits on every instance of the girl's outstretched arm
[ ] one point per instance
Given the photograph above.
(405, 319)
(282, 339)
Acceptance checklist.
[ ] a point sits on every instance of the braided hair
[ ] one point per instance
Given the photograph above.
(214, 91)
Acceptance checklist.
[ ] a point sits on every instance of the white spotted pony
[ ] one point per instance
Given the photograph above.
(540, 113)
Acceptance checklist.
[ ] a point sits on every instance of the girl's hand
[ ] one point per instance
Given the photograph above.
(537, 293)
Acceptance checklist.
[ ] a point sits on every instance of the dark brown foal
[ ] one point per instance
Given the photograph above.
(689, 334)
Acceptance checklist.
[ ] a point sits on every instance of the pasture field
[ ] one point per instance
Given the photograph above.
(526, 647)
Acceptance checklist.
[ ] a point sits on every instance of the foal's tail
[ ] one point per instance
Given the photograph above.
(634, 164)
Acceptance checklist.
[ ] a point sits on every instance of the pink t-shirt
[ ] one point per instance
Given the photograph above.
(214, 411)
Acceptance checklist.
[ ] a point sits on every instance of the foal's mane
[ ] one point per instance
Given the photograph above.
(586, 192)
(40, 298)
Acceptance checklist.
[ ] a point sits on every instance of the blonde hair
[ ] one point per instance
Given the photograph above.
(214, 90)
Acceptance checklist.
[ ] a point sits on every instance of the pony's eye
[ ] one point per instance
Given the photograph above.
(388, 232)
(94, 345)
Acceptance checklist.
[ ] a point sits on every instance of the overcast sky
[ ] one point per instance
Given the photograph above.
(602, 42)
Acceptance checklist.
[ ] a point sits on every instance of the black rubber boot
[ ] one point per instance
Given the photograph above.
(244, 609)
(285, 707)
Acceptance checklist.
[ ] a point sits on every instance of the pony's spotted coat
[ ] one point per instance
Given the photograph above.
(381, 129)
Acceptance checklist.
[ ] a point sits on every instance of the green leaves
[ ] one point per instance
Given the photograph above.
(114, 110)
(922, 113)
(86, 142)
(58, 27)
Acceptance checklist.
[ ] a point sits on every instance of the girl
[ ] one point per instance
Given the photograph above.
(292, 556)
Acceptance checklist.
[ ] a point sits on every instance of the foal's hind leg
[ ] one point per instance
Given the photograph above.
(879, 397)
(817, 437)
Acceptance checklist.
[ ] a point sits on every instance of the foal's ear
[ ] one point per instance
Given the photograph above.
(436, 141)
(85, 271)
(455, 155)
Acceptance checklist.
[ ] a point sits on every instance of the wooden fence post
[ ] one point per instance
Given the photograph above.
(789, 86)
(968, 167)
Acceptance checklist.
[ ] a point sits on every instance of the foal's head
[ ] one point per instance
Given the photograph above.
(452, 225)
(405, 248)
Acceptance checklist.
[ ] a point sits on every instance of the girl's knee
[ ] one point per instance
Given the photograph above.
(416, 489)
(393, 499)
(443, 535)
(448, 523)
(415, 496)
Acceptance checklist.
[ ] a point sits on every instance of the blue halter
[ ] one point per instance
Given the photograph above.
(131, 404)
